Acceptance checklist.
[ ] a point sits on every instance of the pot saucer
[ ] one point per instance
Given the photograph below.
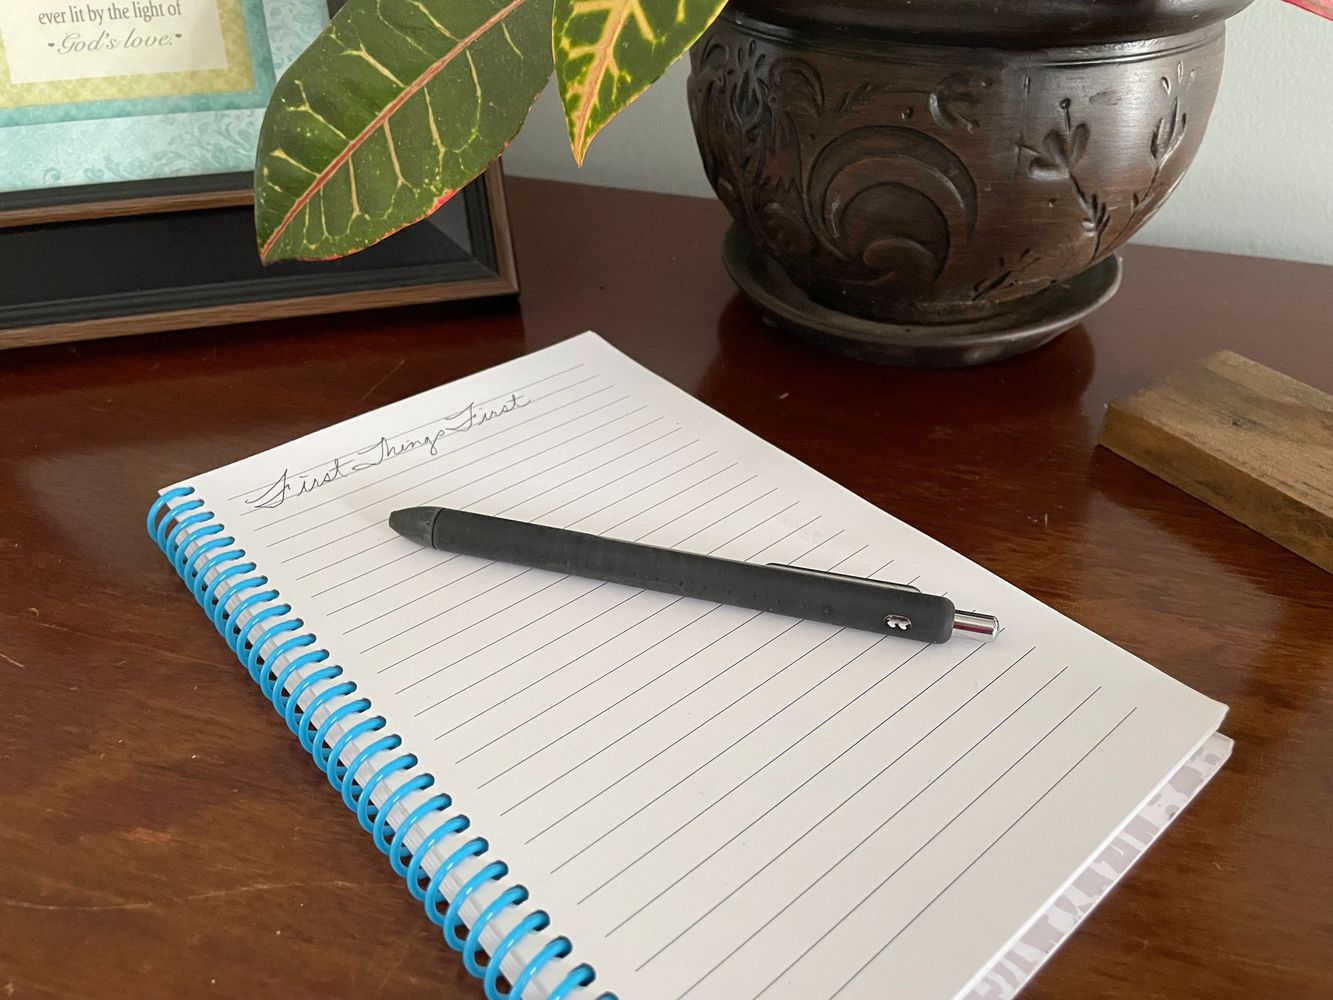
(1031, 322)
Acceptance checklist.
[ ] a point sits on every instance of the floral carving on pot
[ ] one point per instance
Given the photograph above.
(1062, 149)
(954, 102)
(886, 204)
(1167, 138)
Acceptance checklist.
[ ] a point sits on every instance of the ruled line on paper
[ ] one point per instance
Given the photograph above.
(597, 679)
(634, 471)
(656, 715)
(511, 606)
(843, 753)
(517, 602)
(667, 791)
(397, 434)
(626, 697)
(454, 607)
(428, 594)
(563, 462)
(568, 662)
(440, 614)
(729, 514)
(449, 558)
(381, 501)
(846, 800)
(819, 545)
(929, 840)
(679, 493)
(699, 506)
(652, 849)
(363, 573)
(533, 623)
(587, 472)
(342, 561)
(336, 473)
(772, 517)
(741, 659)
(518, 463)
(405, 555)
(531, 684)
(633, 729)
(972, 864)
(437, 563)
(441, 559)
(774, 544)
(793, 901)
(764, 766)
(636, 728)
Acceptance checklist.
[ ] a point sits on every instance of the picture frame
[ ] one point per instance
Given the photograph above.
(95, 201)
(197, 268)
(176, 252)
(238, 115)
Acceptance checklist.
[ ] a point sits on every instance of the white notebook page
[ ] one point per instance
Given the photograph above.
(709, 802)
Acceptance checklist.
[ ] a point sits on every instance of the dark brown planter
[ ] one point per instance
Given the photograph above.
(946, 181)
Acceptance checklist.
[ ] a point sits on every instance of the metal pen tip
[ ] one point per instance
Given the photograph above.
(983, 628)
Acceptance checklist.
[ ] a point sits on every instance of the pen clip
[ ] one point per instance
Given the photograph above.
(846, 576)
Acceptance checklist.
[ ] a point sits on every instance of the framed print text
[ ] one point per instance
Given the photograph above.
(105, 92)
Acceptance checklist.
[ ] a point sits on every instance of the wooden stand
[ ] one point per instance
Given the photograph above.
(1252, 442)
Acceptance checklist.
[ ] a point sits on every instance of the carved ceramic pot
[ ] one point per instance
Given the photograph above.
(946, 181)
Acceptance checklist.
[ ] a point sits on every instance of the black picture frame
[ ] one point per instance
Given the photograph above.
(95, 201)
(117, 275)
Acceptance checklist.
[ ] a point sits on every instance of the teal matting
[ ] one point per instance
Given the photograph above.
(152, 138)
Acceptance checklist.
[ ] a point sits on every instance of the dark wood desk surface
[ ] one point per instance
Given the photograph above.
(163, 836)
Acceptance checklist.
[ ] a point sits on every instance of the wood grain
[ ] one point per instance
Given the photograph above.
(1250, 441)
(164, 837)
(251, 312)
(46, 214)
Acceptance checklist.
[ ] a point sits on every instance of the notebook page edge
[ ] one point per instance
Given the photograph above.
(1225, 746)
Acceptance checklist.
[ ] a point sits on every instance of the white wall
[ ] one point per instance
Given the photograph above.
(1261, 185)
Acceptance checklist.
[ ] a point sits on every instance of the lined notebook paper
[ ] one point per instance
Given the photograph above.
(703, 801)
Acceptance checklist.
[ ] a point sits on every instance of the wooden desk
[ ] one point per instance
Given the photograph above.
(163, 836)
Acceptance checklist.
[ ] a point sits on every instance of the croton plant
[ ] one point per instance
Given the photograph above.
(400, 103)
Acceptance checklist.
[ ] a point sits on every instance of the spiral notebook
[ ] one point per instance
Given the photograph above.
(598, 791)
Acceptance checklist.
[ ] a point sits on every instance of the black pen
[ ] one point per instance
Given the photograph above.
(835, 598)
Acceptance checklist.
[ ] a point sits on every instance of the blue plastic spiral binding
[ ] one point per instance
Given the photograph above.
(251, 616)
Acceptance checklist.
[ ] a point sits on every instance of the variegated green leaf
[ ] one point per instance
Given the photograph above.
(393, 108)
(608, 52)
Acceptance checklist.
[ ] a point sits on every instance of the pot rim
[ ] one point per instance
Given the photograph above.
(994, 23)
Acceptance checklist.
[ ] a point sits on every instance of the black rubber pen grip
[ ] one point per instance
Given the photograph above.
(837, 600)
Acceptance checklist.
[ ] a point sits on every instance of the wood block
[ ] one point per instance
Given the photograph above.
(1252, 442)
